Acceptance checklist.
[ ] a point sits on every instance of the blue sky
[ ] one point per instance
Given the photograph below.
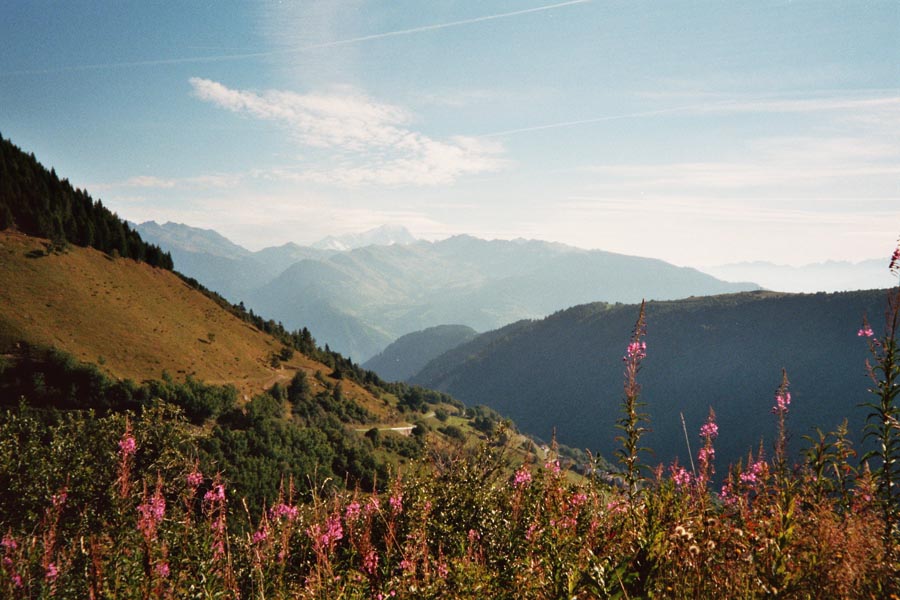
(697, 132)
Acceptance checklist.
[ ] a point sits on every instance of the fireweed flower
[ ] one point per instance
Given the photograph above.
(352, 512)
(756, 471)
(150, 515)
(782, 401)
(636, 350)
(9, 543)
(261, 535)
(51, 573)
(216, 494)
(709, 430)
(680, 476)
(194, 478)
(552, 466)
(162, 570)
(127, 445)
(866, 331)
(704, 455)
(281, 511)
(325, 536)
(396, 502)
(370, 562)
(522, 477)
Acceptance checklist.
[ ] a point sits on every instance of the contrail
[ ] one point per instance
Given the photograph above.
(561, 124)
(262, 54)
(771, 104)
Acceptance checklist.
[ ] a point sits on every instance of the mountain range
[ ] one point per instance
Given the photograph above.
(360, 300)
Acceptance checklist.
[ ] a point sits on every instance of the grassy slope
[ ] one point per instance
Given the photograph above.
(133, 320)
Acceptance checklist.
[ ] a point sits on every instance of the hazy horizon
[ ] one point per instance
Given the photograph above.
(698, 133)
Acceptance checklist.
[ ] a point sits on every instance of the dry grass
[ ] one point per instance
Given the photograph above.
(133, 320)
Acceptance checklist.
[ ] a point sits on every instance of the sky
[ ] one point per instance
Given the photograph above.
(701, 133)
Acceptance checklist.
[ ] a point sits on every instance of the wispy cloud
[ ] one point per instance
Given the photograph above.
(224, 57)
(371, 140)
(215, 181)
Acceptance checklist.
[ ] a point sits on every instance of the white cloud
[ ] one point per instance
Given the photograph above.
(372, 140)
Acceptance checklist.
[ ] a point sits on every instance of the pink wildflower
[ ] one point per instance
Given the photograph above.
(866, 331)
(162, 570)
(280, 511)
(396, 502)
(151, 514)
(727, 495)
(51, 573)
(127, 445)
(680, 476)
(194, 478)
(709, 430)
(782, 401)
(59, 499)
(442, 570)
(324, 537)
(370, 562)
(9, 543)
(577, 499)
(474, 536)
(636, 351)
(216, 494)
(895, 260)
(261, 535)
(352, 511)
(752, 475)
(522, 477)
(552, 466)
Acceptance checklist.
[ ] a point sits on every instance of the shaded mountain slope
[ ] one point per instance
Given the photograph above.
(411, 352)
(724, 352)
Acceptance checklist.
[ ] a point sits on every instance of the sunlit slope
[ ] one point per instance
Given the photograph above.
(133, 320)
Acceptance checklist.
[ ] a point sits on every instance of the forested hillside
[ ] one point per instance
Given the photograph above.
(37, 202)
(564, 373)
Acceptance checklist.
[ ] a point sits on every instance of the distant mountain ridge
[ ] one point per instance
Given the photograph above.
(360, 300)
(828, 276)
(385, 235)
(564, 373)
